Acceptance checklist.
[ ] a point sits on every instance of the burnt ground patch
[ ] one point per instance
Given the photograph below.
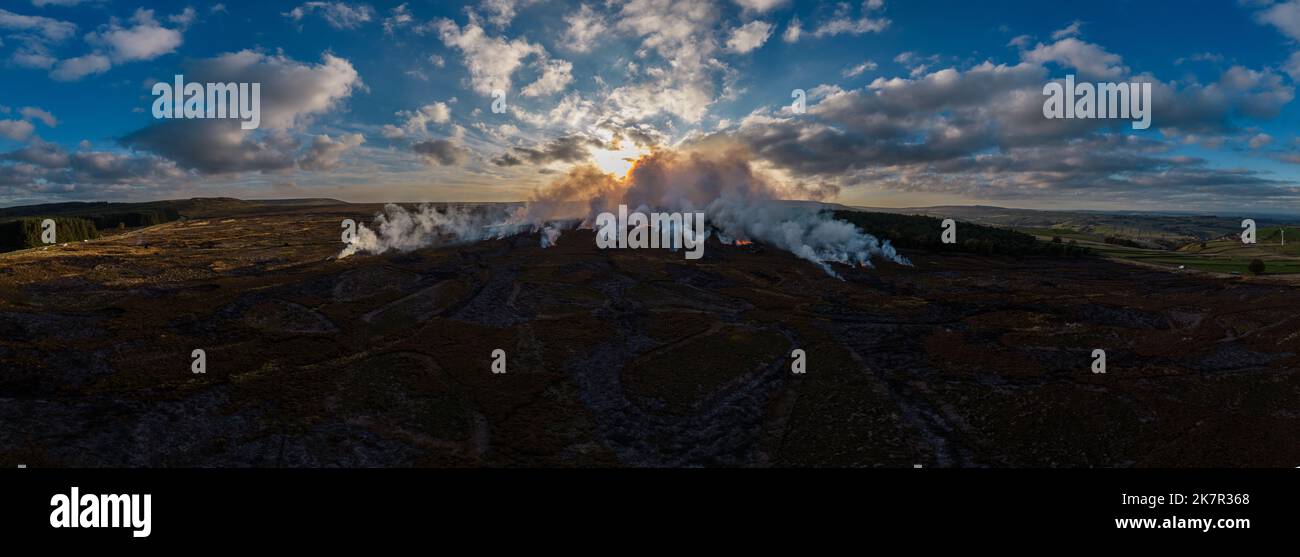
(624, 357)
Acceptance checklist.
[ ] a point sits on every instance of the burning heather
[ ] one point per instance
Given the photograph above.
(741, 205)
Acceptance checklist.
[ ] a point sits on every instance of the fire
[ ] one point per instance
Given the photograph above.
(743, 242)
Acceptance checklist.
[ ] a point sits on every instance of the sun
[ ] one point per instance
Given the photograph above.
(617, 161)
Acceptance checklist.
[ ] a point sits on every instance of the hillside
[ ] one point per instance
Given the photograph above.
(625, 357)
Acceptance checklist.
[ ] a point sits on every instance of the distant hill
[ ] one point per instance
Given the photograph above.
(184, 207)
(1156, 230)
(300, 202)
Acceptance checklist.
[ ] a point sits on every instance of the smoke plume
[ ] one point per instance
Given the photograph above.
(739, 202)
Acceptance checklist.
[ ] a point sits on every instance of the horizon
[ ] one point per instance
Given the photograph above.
(1135, 212)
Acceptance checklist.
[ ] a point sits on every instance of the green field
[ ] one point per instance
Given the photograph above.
(1219, 256)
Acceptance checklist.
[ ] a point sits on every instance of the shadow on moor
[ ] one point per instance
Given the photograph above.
(623, 357)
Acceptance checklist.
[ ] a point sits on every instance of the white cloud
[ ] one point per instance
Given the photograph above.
(556, 75)
(760, 6)
(1071, 30)
(339, 15)
(145, 40)
(43, 3)
(185, 18)
(490, 60)
(49, 28)
(1285, 16)
(17, 130)
(1208, 57)
(35, 37)
(416, 122)
(851, 27)
(400, 17)
(683, 35)
(749, 36)
(113, 43)
(571, 111)
(291, 91)
(860, 68)
(585, 28)
(1089, 59)
(74, 69)
(673, 28)
(34, 113)
(792, 30)
(843, 23)
(1292, 66)
(501, 12)
(33, 55)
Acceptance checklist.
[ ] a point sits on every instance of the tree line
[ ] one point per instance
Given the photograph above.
(25, 232)
(922, 232)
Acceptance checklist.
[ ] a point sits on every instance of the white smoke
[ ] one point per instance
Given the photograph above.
(550, 235)
(739, 203)
(396, 228)
(804, 230)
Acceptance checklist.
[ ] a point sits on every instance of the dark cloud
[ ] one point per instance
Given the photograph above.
(981, 133)
(47, 168)
(117, 168)
(292, 94)
(1239, 93)
(216, 146)
(506, 159)
(570, 148)
(40, 153)
(642, 134)
(440, 152)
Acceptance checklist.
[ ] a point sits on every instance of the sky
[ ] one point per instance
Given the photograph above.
(917, 103)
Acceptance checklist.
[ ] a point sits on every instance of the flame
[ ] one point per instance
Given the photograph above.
(743, 242)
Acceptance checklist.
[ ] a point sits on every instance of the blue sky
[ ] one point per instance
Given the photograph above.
(909, 103)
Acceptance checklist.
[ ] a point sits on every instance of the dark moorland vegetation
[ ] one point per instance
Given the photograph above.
(921, 232)
(25, 232)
